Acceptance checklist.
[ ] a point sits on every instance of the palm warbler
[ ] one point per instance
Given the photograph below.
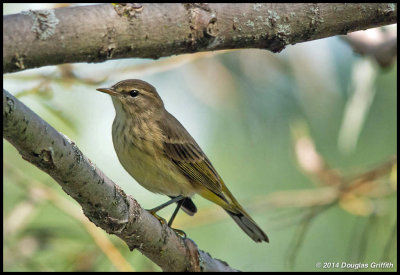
(163, 157)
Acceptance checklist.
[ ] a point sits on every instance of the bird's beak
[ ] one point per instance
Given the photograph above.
(109, 91)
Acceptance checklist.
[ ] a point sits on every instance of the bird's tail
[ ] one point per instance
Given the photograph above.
(249, 226)
(227, 201)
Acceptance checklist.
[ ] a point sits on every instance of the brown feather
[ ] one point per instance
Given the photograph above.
(163, 157)
(183, 150)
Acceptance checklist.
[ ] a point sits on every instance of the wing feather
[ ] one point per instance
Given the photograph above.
(187, 155)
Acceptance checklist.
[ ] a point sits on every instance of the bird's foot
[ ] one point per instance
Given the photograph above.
(161, 219)
(179, 232)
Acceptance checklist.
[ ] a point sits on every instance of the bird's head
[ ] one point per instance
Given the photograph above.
(134, 96)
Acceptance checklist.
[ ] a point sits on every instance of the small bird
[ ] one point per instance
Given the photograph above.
(156, 150)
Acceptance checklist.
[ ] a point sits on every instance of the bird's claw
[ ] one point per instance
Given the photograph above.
(179, 232)
(161, 219)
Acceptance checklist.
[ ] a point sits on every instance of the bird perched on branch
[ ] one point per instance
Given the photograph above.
(155, 149)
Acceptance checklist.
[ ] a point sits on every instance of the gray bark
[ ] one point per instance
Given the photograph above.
(101, 32)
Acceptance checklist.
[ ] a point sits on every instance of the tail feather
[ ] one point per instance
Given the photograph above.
(188, 206)
(249, 226)
(228, 202)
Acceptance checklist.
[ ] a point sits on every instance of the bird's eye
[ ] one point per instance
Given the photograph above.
(134, 93)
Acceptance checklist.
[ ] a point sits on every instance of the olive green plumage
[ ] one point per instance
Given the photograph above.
(155, 149)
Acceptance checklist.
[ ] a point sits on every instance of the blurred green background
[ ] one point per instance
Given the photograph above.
(248, 110)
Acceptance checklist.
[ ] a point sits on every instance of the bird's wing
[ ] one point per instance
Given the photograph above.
(183, 150)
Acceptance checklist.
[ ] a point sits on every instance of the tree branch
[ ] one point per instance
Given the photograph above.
(99, 32)
(103, 202)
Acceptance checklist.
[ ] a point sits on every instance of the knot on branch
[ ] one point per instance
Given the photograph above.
(388, 10)
(127, 9)
(107, 51)
(202, 22)
(18, 61)
(45, 158)
(212, 27)
(9, 107)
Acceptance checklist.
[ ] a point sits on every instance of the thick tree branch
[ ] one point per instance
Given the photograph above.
(102, 201)
(100, 32)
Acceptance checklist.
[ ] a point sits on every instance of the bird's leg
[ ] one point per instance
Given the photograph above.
(177, 231)
(154, 210)
(176, 211)
(158, 208)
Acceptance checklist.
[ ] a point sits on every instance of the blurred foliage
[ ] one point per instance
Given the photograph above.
(270, 124)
